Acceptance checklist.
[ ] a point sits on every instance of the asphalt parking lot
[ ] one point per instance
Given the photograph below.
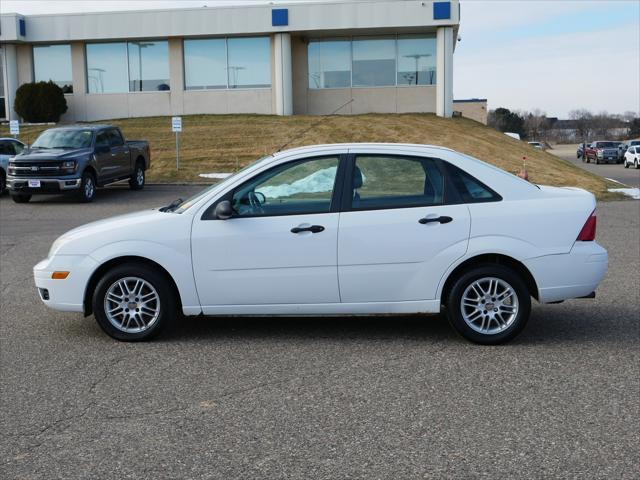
(613, 171)
(314, 398)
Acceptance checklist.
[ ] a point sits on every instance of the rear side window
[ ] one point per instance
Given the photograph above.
(102, 140)
(115, 138)
(6, 148)
(384, 181)
(470, 189)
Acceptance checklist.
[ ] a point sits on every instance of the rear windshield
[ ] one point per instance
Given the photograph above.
(64, 138)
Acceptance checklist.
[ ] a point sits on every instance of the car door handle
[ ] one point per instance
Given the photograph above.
(443, 219)
(312, 229)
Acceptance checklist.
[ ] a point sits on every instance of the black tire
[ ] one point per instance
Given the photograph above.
(137, 180)
(88, 187)
(626, 165)
(636, 164)
(3, 182)
(165, 294)
(20, 197)
(503, 273)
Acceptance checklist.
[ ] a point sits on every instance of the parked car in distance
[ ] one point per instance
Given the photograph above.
(345, 229)
(9, 147)
(632, 157)
(580, 150)
(77, 159)
(538, 145)
(602, 151)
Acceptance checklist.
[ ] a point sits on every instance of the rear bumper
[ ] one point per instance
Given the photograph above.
(48, 185)
(68, 294)
(572, 275)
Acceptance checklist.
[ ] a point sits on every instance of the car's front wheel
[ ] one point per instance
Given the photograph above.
(20, 197)
(489, 304)
(137, 180)
(87, 190)
(134, 302)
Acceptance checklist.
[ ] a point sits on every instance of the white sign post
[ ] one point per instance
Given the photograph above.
(176, 126)
(14, 127)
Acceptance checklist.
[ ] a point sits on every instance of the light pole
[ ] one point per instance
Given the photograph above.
(141, 45)
(99, 78)
(417, 57)
(235, 71)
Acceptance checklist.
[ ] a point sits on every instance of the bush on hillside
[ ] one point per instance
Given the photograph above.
(40, 102)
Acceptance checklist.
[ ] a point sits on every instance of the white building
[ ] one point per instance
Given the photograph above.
(283, 59)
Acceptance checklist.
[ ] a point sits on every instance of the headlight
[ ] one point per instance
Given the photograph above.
(69, 165)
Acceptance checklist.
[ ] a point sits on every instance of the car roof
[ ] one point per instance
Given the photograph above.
(349, 146)
(10, 138)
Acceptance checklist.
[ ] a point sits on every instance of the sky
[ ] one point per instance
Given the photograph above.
(552, 55)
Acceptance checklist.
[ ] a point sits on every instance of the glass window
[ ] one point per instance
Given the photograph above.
(18, 147)
(107, 69)
(205, 63)
(63, 138)
(395, 182)
(102, 140)
(470, 189)
(148, 66)
(293, 188)
(416, 60)
(53, 62)
(115, 139)
(249, 62)
(6, 148)
(330, 64)
(374, 62)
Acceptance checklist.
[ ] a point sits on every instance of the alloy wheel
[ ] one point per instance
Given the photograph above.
(489, 305)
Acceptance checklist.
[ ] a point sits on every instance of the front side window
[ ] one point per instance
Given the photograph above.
(374, 62)
(330, 64)
(295, 188)
(381, 181)
(416, 60)
(148, 66)
(249, 62)
(53, 63)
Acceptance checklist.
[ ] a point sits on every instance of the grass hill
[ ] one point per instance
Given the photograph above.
(225, 143)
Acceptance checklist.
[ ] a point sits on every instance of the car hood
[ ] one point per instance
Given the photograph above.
(35, 154)
(146, 225)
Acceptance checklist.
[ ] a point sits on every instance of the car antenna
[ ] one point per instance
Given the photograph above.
(303, 133)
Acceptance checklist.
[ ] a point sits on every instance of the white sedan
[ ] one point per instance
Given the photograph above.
(352, 229)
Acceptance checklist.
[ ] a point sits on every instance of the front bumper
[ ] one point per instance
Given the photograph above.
(571, 275)
(68, 294)
(47, 185)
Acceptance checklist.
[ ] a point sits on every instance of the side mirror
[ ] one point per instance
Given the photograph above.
(223, 210)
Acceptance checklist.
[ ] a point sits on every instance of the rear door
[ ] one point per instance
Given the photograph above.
(397, 237)
(119, 153)
(106, 163)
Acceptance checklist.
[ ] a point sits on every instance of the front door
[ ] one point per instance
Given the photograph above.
(398, 237)
(280, 247)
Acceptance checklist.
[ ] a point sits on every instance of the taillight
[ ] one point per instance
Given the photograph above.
(588, 232)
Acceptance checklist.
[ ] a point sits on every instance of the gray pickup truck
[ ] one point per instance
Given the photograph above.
(77, 159)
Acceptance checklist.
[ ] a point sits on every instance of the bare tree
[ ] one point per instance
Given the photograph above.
(583, 123)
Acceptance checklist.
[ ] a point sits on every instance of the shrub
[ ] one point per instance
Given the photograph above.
(40, 102)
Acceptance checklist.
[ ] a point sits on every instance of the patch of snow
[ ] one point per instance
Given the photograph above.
(631, 192)
(216, 175)
(320, 181)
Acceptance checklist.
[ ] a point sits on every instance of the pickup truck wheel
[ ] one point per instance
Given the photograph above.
(136, 182)
(87, 188)
(489, 304)
(3, 182)
(20, 197)
(133, 302)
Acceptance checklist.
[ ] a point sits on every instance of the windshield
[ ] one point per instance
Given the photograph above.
(194, 199)
(607, 145)
(64, 138)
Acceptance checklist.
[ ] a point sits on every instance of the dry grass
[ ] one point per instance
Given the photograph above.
(225, 143)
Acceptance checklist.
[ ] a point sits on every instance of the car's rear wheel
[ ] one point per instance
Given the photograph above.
(636, 164)
(20, 197)
(87, 190)
(134, 302)
(137, 180)
(489, 304)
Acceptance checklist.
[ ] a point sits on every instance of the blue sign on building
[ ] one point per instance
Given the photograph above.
(280, 17)
(442, 11)
(22, 26)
